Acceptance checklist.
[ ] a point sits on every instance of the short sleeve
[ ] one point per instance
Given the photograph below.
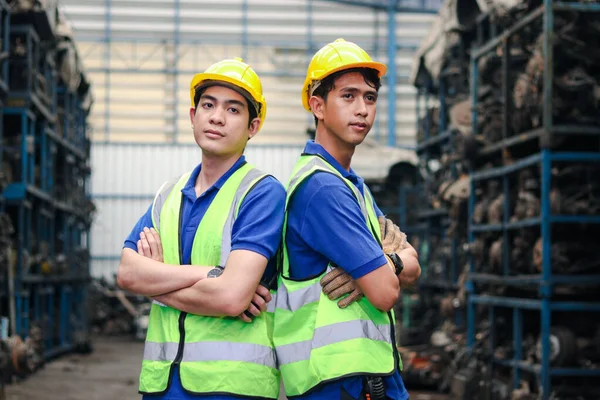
(144, 222)
(334, 226)
(259, 222)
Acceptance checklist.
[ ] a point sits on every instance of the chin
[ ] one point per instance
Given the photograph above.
(356, 139)
(209, 146)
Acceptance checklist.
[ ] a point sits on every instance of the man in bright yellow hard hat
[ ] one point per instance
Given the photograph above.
(201, 250)
(338, 245)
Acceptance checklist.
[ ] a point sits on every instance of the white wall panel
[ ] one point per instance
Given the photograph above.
(114, 220)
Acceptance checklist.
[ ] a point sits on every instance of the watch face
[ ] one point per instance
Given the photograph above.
(214, 273)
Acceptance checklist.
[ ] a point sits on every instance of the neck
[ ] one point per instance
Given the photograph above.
(212, 169)
(342, 152)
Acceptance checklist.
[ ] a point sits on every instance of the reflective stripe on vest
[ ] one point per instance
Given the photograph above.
(315, 340)
(213, 347)
(212, 351)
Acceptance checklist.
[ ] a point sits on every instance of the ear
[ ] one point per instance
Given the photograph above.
(253, 128)
(316, 104)
(192, 115)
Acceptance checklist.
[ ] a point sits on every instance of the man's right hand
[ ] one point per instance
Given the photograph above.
(258, 304)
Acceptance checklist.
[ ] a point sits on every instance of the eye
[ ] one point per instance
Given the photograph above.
(348, 96)
(234, 110)
(207, 105)
(371, 98)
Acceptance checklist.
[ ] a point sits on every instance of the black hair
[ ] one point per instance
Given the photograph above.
(370, 75)
(251, 109)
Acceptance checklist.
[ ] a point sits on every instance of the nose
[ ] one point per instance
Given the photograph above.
(217, 116)
(361, 108)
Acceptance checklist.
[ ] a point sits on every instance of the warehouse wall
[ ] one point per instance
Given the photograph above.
(126, 176)
(141, 56)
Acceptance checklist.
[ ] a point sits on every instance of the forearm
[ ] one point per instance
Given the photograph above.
(206, 297)
(144, 276)
(412, 269)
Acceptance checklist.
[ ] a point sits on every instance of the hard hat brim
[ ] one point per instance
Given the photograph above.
(379, 67)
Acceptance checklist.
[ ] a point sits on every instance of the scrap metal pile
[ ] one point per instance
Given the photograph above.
(115, 312)
(440, 67)
(46, 212)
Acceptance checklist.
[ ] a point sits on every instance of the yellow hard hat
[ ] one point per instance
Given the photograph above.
(333, 57)
(236, 73)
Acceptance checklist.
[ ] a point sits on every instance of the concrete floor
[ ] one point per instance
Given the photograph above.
(109, 373)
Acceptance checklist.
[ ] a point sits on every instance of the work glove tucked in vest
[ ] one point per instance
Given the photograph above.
(338, 283)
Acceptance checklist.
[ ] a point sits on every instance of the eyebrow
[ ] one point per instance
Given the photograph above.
(229, 101)
(351, 89)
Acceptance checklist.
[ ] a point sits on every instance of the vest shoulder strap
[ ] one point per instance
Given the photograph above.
(161, 197)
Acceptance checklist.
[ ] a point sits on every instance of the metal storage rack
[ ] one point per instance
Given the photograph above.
(47, 195)
(547, 302)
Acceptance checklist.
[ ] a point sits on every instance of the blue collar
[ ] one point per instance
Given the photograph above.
(315, 148)
(189, 191)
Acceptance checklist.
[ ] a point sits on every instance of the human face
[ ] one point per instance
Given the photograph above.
(349, 111)
(220, 122)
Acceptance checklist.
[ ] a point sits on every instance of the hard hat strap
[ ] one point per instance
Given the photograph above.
(314, 86)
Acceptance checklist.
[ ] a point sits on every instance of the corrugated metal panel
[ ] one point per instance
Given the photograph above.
(126, 176)
(114, 220)
(132, 41)
(140, 169)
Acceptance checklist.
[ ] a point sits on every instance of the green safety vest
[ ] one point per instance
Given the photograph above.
(217, 355)
(316, 341)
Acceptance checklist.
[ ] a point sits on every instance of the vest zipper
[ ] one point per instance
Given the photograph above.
(182, 314)
(394, 348)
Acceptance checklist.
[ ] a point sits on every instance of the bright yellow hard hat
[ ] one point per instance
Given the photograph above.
(237, 73)
(334, 57)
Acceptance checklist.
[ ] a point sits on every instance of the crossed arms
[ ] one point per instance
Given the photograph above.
(186, 288)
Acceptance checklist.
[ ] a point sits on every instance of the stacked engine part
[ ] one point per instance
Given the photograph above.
(514, 171)
(45, 210)
(432, 329)
(113, 311)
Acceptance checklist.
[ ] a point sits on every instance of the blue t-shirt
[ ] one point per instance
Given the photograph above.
(257, 228)
(325, 224)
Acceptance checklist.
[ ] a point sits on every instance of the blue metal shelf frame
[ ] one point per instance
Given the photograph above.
(42, 100)
(517, 364)
(546, 279)
(435, 220)
(72, 122)
(55, 297)
(544, 159)
(546, 12)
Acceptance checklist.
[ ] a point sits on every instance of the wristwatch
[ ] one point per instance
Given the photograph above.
(215, 272)
(398, 264)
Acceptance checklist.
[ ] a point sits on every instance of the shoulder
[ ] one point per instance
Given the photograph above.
(267, 191)
(321, 182)
(267, 185)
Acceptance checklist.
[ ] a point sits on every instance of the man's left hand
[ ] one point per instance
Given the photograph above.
(393, 240)
(338, 283)
(150, 245)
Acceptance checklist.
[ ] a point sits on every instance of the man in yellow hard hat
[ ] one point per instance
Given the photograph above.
(337, 245)
(201, 250)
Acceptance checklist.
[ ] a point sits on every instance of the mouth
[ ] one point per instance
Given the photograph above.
(359, 125)
(212, 133)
